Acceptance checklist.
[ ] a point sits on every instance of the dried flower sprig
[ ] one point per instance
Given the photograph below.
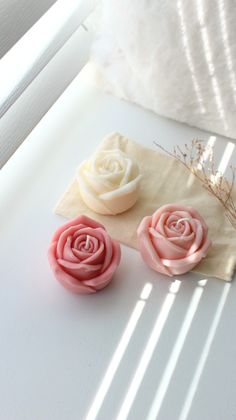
(198, 158)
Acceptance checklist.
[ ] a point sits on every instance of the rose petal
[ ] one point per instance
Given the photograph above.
(128, 172)
(160, 224)
(89, 196)
(64, 278)
(105, 277)
(184, 241)
(82, 244)
(103, 182)
(187, 231)
(108, 250)
(81, 219)
(195, 215)
(67, 253)
(182, 214)
(97, 257)
(75, 231)
(81, 253)
(198, 237)
(80, 271)
(172, 218)
(63, 238)
(168, 208)
(169, 232)
(181, 234)
(147, 250)
(122, 190)
(178, 225)
(164, 247)
(94, 233)
(172, 208)
(190, 259)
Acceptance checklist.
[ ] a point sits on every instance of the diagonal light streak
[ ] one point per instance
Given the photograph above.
(208, 151)
(227, 49)
(174, 357)
(209, 60)
(148, 351)
(226, 158)
(205, 352)
(189, 58)
(119, 353)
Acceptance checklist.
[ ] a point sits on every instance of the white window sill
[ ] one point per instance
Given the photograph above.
(59, 345)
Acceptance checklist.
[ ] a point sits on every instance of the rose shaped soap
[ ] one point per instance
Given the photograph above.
(83, 256)
(109, 182)
(173, 240)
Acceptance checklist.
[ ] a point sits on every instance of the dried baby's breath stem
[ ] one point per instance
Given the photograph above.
(198, 158)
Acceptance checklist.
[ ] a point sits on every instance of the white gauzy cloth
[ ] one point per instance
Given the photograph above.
(177, 58)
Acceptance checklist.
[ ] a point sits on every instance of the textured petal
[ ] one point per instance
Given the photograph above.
(61, 229)
(64, 278)
(172, 218)
(160, 224)
(184, 241)
(147, 250)
(95, 233)
(88, 222)
(177, 227)
(67, 251)
(190, 259)
(166, 248)
(128, 172)
(91, 198)
(187, 230)
(105, 277)
(195, 215)
(76, 244)
(182, 214)
(63, 238)
(97, 257)
(103, 182)
(168, 208)
(108, 251)
(122, 190)
(79, 220)
(198, 239)
(81, 255)
(169, 232)
(80, 271)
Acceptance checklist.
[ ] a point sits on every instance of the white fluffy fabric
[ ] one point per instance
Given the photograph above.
(177, 58)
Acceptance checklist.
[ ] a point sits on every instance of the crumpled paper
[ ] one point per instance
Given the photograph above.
(165, 180)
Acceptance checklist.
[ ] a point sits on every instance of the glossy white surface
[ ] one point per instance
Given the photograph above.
(144, 347)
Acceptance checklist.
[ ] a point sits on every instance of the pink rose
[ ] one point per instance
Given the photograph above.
(83, 256)
(173, 240)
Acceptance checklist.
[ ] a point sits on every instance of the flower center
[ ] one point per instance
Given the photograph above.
(184, 219)
(87, 244)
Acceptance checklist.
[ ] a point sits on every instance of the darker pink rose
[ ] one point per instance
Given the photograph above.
(173, 240)
(83, 256)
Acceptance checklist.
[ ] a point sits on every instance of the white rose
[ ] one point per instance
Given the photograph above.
(109, 182)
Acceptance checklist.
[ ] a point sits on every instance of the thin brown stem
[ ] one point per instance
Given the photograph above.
(192, 157)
